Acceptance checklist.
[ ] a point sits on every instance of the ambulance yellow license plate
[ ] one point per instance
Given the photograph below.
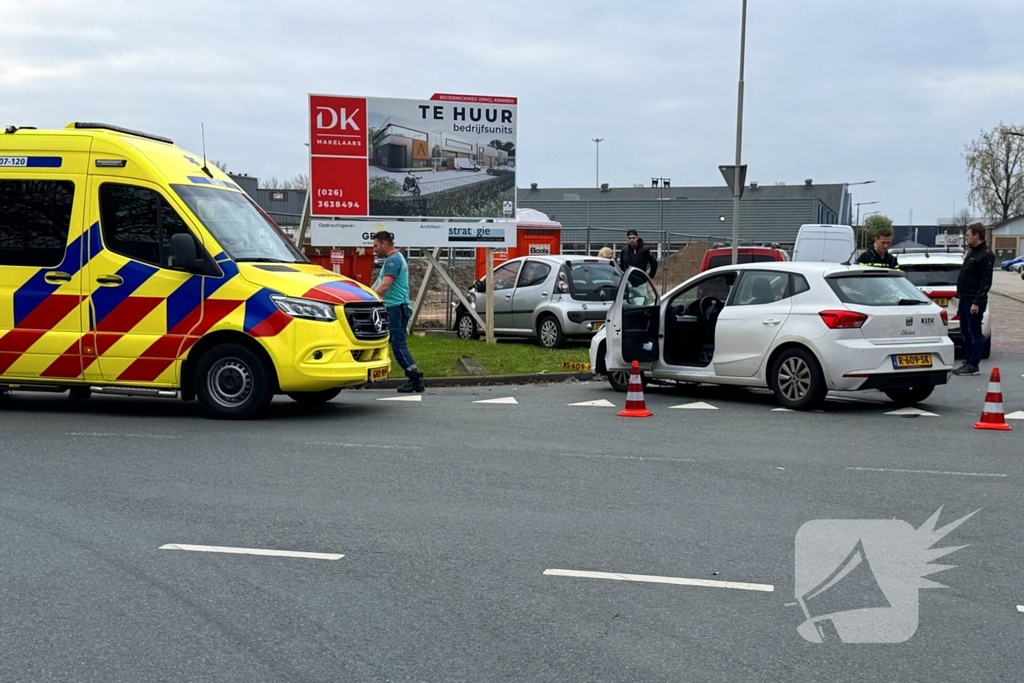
(378, 374)
(913, 360)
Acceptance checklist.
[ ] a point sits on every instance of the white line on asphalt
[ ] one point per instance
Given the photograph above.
(508, 401)
(781, 410)
(699, 405)
(417, 398)
(624, 457)
(1019, 415)
(363, 445)
(600, 403)
(912, 411)
(251, 551)
(1020, 608)
(134, 436)
(704, 583)
(958, 474)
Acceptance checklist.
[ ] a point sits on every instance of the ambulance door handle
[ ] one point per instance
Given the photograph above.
(56, 277)
(110, 280)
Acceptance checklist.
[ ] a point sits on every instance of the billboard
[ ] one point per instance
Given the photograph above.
(439, 167)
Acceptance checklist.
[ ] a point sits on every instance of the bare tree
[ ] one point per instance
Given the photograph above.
(963, 218)
(299, 182)
(222, 165)
(271, 184)
(995, 166)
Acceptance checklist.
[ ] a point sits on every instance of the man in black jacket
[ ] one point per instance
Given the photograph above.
(972, 288)
(879, 256)
(638, 255)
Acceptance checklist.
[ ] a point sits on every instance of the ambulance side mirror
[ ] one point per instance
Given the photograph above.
(184, 255)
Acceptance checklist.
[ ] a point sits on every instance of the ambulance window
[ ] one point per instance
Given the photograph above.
(138, 223)
(35, 218)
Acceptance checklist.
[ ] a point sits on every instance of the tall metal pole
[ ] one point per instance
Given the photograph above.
(597, 163)
(739, 143)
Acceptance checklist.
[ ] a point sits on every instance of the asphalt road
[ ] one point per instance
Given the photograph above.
(448, 513)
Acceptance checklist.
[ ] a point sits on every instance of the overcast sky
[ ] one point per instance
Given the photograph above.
(878, 90)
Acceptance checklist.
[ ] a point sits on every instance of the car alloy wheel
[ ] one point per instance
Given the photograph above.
(794, 379)
(467, 327)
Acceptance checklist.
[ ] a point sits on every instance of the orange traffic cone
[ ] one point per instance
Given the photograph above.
(992, 414)
(635, 404)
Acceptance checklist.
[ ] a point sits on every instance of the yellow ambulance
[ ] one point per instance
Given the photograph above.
(128, 266)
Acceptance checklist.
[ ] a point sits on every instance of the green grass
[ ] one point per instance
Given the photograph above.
(436, 356)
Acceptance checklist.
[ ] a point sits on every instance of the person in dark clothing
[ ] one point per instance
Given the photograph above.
(972, 287)
(879, 256)
(637, 254)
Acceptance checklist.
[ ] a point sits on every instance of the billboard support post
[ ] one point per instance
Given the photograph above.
(491, 296)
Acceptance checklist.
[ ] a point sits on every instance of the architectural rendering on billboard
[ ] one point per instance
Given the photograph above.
(381, 159)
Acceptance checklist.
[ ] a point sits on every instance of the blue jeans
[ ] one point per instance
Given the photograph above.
(970, 330)
(398, 321)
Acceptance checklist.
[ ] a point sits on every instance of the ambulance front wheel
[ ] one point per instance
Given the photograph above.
(232, 382)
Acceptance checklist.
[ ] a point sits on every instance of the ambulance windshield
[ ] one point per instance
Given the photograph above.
(238, 226)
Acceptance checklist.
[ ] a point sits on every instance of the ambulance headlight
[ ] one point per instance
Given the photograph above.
(306, 309)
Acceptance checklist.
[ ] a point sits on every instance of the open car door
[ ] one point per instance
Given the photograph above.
(634, 323)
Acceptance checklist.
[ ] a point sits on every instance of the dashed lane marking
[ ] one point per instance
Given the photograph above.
(624, 457)
(339, 444)
(507, 401)
(955, 474)
(676, 581)
(251, 551)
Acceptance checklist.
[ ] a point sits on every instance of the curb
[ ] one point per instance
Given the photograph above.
(482, 380)
(1012, 297)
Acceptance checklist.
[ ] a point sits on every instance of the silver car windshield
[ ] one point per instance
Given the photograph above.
(238, 226)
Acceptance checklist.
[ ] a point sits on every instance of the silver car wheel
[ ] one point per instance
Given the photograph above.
(621, 377)
(230, 382)
(466, 327)
(549, 333)
(794, 378)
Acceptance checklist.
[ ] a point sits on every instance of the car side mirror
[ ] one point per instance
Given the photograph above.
(185, 255)
(480, 286)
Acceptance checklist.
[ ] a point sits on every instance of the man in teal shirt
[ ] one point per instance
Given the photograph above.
(393, 285)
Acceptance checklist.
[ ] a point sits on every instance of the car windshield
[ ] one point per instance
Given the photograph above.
(877, 290)
(931, 274)
(593, 281)
(726, 259)
(238, 226)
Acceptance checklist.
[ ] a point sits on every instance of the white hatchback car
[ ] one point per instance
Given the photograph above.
(935, 272)
(800, 329)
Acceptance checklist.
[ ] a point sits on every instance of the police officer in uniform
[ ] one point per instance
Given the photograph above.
(879, 255)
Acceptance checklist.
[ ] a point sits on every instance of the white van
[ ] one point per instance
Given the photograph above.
(828, 243)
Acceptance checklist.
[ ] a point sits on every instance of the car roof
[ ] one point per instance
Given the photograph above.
(803, 267)
(559, 259)
(939, 257)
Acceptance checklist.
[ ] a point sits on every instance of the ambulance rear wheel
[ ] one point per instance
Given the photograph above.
(232, 382)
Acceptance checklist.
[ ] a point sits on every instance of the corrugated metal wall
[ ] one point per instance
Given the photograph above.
(760, 221)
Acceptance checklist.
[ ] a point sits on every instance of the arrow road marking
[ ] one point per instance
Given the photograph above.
(603, 403)
(416, 398)
(912, 411)
(704, 583)
(508, 401)
(1019, 415)
(251, 551)
(699, 405)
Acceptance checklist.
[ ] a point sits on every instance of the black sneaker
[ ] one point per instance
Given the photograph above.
(967, 370)
(415, 384)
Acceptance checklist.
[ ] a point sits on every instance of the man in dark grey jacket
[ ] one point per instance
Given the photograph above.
(638, 254)
(972, 287)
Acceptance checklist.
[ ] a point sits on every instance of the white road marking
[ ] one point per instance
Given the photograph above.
(363, 445)
(251, 551)
(507, 401)
(912, 411)
(704, 583)
(1020, 608)
(134, 436)
(625, 457)
(699, 405)
(416, 398)
(958, 474)
(781, 410)
(1019, 415)
(602, 403)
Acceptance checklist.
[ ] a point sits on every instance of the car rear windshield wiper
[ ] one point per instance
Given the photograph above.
(912, 302)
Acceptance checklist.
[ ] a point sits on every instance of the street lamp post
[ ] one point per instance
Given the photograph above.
(597, 162)
(661, 184)
(842, 198)
(860, 204)
(736, 188)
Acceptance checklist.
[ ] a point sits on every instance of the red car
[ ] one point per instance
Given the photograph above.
(713, 258)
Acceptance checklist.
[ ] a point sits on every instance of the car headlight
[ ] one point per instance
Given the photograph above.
(306, 309)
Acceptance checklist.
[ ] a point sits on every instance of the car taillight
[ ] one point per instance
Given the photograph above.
(843, 320)
(945, 318)
(563, 286)
(955, 317)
